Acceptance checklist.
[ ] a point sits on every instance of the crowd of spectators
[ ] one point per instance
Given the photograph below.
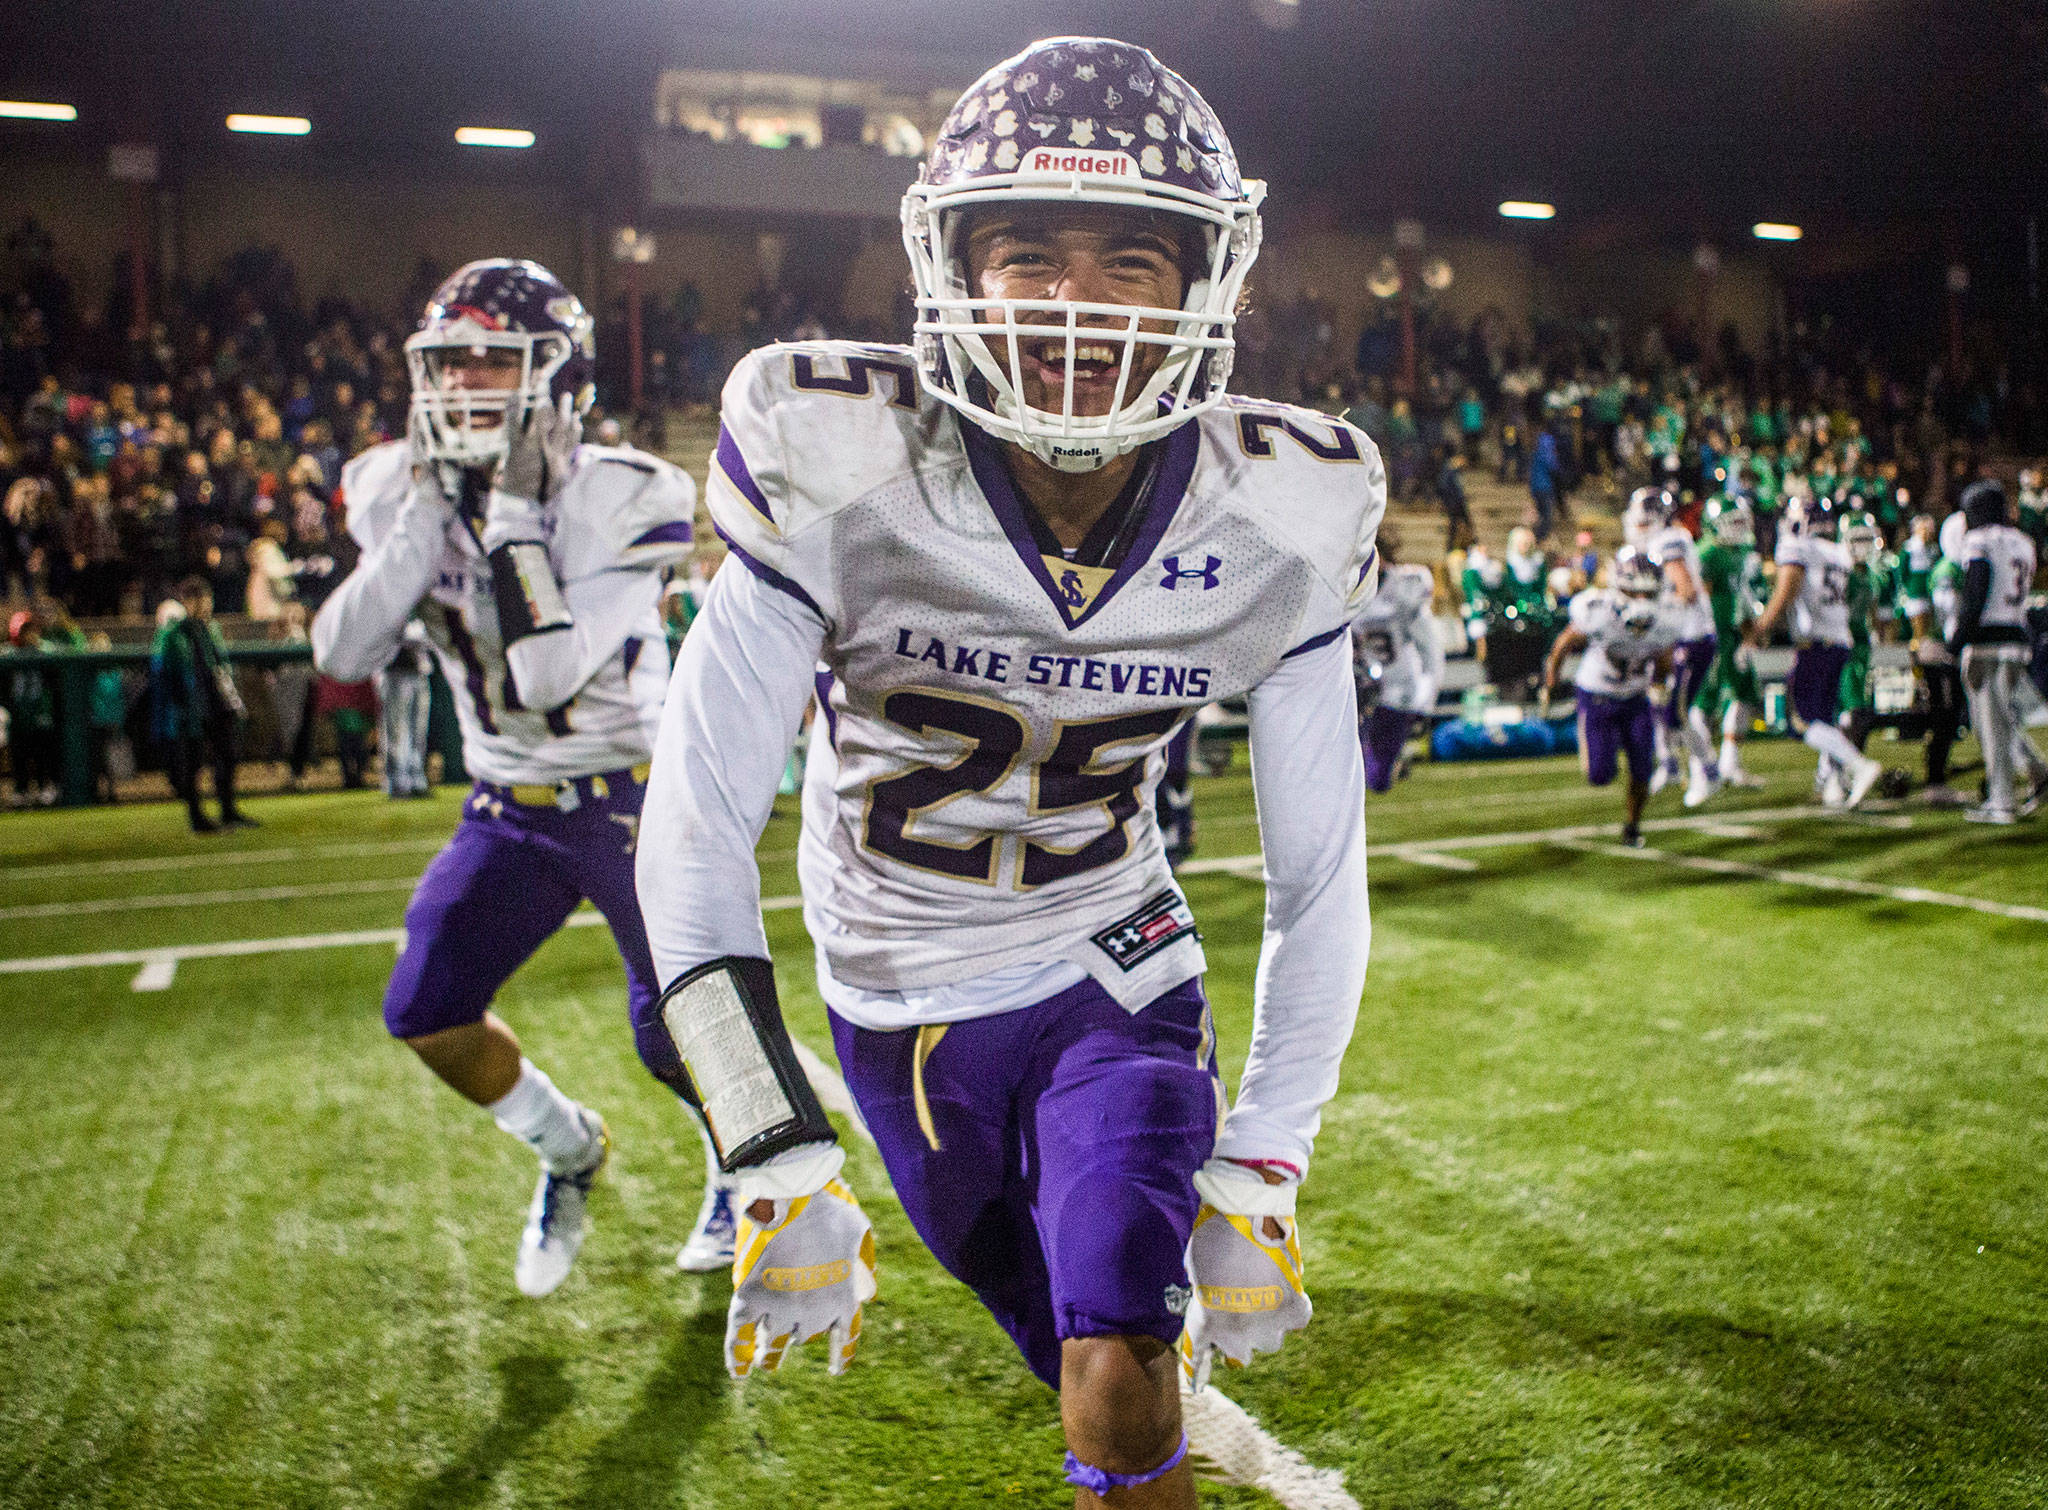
(208, 448)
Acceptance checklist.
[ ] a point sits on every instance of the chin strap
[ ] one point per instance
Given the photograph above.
(1099, 1481)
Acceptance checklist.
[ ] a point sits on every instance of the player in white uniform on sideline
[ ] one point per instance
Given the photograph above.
(1990, 636)
(1813, 586)
(534, 563)
(1020, 558)
(1624, 635)
(1397, 658)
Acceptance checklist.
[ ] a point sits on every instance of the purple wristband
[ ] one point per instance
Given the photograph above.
(1100, 1482)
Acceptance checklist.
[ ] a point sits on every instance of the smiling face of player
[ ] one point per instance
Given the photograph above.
(1085, 254)
(478, 369)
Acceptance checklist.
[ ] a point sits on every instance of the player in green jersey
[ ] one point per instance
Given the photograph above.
(1734, 575)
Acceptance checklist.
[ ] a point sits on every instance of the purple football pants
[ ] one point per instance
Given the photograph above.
(1691, 660)
(1815, 686)
(506, 881)
(1381, 734)
(1610, 725)
(1048, 1162)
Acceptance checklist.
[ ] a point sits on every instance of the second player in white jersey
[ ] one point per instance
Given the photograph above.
(1820, 612)
(1671, 547)
(1396, 642)
(1625, 639)
(594, 703)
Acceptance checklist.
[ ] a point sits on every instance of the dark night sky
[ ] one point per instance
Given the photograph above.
(1654, 117)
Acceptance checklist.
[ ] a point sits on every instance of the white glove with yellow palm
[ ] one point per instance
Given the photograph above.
(1244, 1266)
(803, 1262)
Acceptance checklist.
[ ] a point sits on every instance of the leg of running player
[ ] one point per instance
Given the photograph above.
(1815, 692)
(1636, 720)
(992, 1133)
(1691, 663)
(464, 941)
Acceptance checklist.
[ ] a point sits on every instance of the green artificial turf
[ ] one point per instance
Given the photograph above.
(1645, 1187)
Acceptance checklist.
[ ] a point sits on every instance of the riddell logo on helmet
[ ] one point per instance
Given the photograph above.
(1100, 164)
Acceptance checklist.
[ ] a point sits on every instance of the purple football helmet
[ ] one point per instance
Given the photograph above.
(1087, 121)
(505, 305)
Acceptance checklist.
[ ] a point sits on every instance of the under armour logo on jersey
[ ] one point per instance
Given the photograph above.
(1204, 574)
(1073, 589)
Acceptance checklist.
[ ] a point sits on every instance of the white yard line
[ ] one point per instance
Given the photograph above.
(160, 900)
(1227, 1438)
(1431, 858)
(143, 864)
(1813, 879)
(1413, 850)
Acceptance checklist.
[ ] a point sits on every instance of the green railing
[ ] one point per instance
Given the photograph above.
(72, 672)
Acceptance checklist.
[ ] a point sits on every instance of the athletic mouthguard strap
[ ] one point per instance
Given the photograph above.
(1099, 1481)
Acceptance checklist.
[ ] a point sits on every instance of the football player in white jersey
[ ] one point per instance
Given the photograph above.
(1397, 659)
(1020, 557)
(1990, 636)
(1624, 635)
(1670, 547)
(534, 563)
(1813, 586)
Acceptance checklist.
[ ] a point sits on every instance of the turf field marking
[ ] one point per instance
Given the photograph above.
(1416, 856)
(1730, 831)
(206, 898)
(1245, 865)
(1228, 1439)
(1814, 879)
(155, 975)
(142, 864)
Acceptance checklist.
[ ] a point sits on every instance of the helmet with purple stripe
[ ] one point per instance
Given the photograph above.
(1094, 122)
(497, 305)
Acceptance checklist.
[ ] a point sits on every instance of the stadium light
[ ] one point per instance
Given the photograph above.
(270, 125)
(1771, 230)
(37, 110)
(1527, 209)
(492, 136)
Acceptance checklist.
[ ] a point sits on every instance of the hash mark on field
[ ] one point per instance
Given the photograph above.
(1816, 880)
(155, 975)
(1417, 856)
(1226, 1436)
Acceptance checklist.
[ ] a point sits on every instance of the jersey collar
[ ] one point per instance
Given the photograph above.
(1174, 470)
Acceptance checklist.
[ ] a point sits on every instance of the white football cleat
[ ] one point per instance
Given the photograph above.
(1989, 814)
(1702, 788)
(1863, 780)
(1665, 773)
(558, 1220)
(1832, 793)
(710, 1247)
(1741, 776)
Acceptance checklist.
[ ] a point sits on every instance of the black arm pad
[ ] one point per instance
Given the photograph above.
(529, 598)
(727, 1025)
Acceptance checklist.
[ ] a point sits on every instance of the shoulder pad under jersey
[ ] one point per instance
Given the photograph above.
(805, 429)
(623, 508)
(374, 486)
(1309, 479)
(1592, 609)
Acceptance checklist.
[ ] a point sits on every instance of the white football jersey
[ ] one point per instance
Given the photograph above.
(2011, 557)
(1624, 638)
(619, 519)
(994, 717)
(1695, 620)
(1397, 635)
(1820, 613)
